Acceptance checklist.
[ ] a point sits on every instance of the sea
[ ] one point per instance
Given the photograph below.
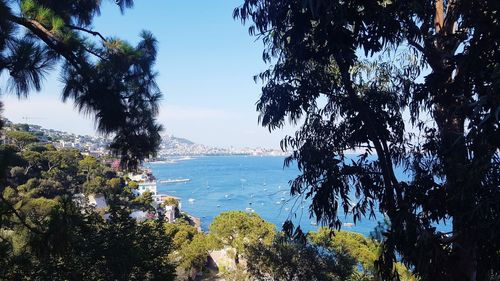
(251, 184)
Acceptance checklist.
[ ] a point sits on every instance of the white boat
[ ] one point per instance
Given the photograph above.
(170, 181)
(191, 200)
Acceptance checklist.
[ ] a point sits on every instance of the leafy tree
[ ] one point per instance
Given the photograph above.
(40, 148)
(21, 127)
(194, 255)
(61, 158)
(238, 229)
(33, 158)
(44, 235)
(62, 165)
(114, 185)
(88, 165)
(94, 185)
(137, 251)
(363, 249)
(189, 249)
(105, 76)
(144, 200)
(9, 157)
(171, 202)
(412, 85)
(133, 184)
(293, 261)
(20, 138)
(365, 252)
(181, 233)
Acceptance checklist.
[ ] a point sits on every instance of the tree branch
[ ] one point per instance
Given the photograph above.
(95, 33)
(416, 46)
(53, 42)
(379, 143)
(439, 15)
(21, 219)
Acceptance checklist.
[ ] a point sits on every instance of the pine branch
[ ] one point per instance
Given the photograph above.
(52, 41)
(21, 219)
(95, 33)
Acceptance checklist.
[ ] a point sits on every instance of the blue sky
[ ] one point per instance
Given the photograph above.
(206, 63)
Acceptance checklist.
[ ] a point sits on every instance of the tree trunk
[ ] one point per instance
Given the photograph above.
(460, 186)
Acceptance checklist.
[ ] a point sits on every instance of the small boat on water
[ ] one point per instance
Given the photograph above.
(348, 224)
(191, 200)
(170, 181)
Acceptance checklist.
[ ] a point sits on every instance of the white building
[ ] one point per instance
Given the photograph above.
(170, 213)
(149, 186)
(98, 201)
(146, 186)
(139, 215)
(138, 177)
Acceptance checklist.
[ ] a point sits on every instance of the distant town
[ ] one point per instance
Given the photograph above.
(171, 146)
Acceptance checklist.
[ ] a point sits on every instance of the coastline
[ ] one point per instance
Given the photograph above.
(246, 183)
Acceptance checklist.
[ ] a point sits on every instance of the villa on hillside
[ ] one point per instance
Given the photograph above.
(163, 204)
(147, 183)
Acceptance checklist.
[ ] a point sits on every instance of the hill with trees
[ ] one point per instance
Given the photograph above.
(47, 233)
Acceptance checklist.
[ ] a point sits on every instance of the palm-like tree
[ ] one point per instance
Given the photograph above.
(105, 77)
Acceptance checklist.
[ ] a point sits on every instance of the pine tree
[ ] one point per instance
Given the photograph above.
(105, 77)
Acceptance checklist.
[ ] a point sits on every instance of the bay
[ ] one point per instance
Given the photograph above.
(246, 183)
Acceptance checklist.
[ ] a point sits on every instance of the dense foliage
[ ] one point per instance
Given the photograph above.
(190, 249)
(236, 229)
(48, 232)
(410, 85)
(105, 76)
(363, 250)
(294, 261)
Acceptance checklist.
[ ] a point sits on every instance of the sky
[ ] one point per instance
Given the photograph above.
(206, 63)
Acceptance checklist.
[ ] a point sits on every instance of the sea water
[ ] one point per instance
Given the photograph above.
(244, 183)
